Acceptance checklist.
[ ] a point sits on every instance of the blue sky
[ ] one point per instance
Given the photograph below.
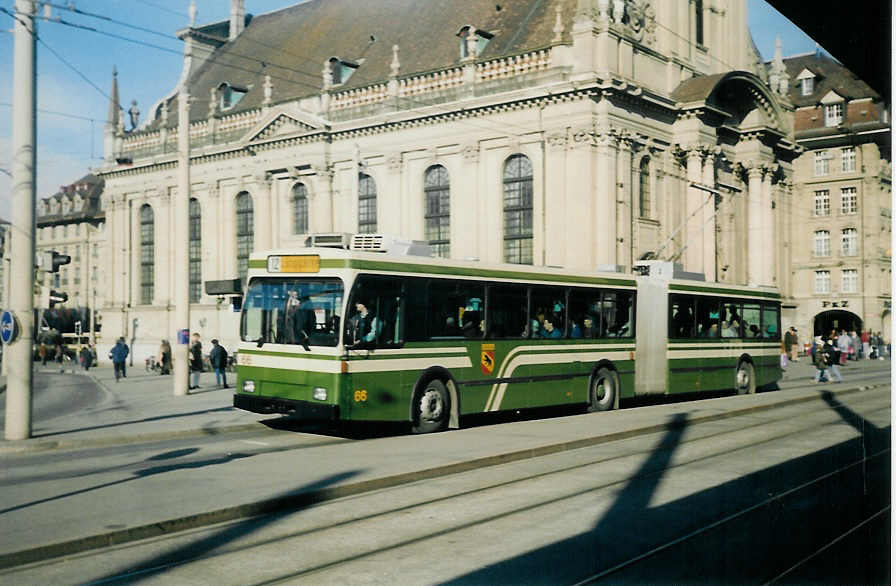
(72, 95)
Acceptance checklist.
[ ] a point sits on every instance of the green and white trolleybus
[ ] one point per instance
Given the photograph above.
(370, 330)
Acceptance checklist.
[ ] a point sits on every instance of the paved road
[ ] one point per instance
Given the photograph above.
(553, 501)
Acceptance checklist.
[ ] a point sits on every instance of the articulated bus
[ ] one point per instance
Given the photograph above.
(364, 333)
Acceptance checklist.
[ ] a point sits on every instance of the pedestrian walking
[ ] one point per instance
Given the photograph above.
(218, 359)
(832, 357)
(195, 361)
(843, 346)
(42, 352)
(818, 359)
(118, 355)
(60, 356)
(787, 344)
(866, 345)
(86, 357)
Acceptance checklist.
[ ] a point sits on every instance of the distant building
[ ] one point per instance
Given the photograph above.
(539, 132)
(842, 216)
(72, 222)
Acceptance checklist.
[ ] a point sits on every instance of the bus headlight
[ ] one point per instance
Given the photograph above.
(319, 393)
(248, 386)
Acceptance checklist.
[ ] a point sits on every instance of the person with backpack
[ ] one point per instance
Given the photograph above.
(832, 359)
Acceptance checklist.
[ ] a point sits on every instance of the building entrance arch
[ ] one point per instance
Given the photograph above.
(836, 319)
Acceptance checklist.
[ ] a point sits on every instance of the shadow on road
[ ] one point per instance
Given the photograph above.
(744, 531)
(285, 504)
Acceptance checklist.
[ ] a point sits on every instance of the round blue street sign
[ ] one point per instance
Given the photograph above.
(8, 327)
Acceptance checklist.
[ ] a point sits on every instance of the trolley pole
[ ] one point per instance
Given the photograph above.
(181, 348)
(21, 292)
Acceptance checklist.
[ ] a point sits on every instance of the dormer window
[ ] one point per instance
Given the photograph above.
(42, 208)
(66, 206)
(229, 95)
(807, 82)
(472, 39)
(807, 86)
(341, 69)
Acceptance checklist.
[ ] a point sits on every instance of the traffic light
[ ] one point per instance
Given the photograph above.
(53, 260)
(57, 297)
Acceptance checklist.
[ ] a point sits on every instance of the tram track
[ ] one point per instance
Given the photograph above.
(812, 420)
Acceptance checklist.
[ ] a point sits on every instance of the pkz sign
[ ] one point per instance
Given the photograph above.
(9, 328)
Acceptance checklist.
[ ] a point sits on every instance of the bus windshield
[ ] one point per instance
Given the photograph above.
(289, 310)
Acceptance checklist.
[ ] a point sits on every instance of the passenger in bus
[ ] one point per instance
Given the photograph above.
(473, 326)
(549, 330)
(574, 330)
(364, 324)
(589, 329)
(753, 331)
(712, 331)
(731, 329)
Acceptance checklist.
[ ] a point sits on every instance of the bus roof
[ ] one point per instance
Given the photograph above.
(335, 259)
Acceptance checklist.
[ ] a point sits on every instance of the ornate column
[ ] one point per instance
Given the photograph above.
(564, 212)
(321, 219)
(163, 228)
(708, 219)
(624, 200)
(694, 260)
(211, 216)
(603, 192)
(769, 249)
(262, 211)
(755, 245)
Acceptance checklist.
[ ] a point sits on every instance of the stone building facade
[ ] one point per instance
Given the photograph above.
(72, 222)
(841, 226)
(581, 133)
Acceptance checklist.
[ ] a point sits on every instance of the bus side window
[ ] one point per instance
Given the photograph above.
(681, 312)
(584, 313)
(751, 320)
(770, 315)
(505, 311)
(547, 312)
(376, 312)
(455, 308)
(617, 314)
(707, 317)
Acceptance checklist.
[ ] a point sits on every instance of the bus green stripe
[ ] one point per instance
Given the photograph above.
(715, 291)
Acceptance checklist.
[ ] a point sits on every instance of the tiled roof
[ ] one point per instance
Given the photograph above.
(830, 75)
(90, 188)
(292, 44)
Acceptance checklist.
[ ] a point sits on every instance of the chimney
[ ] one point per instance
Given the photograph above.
(237, 17)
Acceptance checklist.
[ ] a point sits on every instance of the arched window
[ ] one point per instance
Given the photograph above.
(644, 187)
(147, 254)
(366, 204)
(244, 232)
(195, 251)
(437, 211)
(300, 209)
(518, 210)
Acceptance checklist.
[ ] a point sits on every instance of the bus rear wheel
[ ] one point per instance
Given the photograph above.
(431, 408)
(604, 390)
(745, 379)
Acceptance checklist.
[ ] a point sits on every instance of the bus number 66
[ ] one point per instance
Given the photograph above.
(360, 395)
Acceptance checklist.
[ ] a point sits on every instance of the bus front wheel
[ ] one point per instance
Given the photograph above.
(432, 408)
(745, 379)
(604, 390)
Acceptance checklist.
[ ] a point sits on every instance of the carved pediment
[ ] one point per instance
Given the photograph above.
(284, 124)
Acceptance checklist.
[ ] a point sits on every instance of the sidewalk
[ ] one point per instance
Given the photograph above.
(140, 407)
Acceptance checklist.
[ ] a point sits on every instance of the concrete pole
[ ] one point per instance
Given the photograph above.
(181, 348)
(21, 293)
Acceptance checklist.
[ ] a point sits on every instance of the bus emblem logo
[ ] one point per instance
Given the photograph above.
(487, 360)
